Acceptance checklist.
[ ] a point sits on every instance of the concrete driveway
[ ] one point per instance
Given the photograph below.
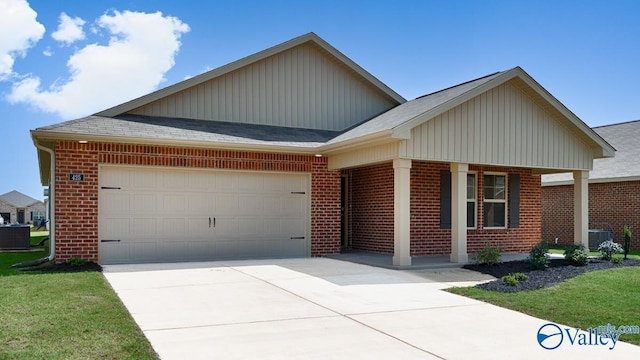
(325, 309)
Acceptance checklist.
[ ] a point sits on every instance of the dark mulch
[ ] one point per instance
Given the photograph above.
(558, 271)
(64, 267)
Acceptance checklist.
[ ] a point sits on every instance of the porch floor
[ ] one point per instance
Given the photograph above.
(417, 262)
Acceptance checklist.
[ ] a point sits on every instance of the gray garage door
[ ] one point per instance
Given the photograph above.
(166, 215)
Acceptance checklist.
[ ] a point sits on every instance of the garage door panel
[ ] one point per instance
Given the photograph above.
(173, 204)
(144, 180)
(143, 227)
(116, 203)
(189, 215)
(226, 205)
(144, 203)
(251, 205)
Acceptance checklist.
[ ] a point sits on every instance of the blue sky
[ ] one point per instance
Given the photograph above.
(68, 59)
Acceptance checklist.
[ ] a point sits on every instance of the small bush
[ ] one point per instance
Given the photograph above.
(514, 279)
(579, 258)
(538, 258)
(616, 260)
(520, 276)
(608, 248)
(510, 280)
(76, 261)
(570, 249)
(489, 255)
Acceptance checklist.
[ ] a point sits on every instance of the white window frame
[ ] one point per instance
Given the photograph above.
(474, 199)
(496, 201)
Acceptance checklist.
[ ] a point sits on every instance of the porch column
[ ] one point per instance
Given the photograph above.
(401, 212)
(459, 213)
(581, 208)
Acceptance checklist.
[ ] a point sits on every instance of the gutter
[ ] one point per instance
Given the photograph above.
(52, 197)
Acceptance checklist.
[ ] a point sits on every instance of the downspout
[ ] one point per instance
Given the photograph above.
(52, 200)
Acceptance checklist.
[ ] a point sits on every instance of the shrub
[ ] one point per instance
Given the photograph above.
(627, 240)
(538, 258)
(489, 255)
(510, 280)
(576, 255)
(514, 279)
(76, 261)
(616, 260)
(579, 258)
(608, 248)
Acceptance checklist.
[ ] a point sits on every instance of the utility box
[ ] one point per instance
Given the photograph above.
(597, 237)
(14, 237)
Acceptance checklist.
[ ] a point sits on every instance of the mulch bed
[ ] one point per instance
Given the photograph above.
(558, 271)
(64, 267)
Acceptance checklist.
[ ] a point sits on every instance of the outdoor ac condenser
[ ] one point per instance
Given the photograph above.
(597, 237)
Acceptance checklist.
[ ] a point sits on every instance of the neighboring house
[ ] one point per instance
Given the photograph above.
(298, 151)
(18, 208)
(614, 190)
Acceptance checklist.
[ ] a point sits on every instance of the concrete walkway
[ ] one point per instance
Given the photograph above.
(325, 309)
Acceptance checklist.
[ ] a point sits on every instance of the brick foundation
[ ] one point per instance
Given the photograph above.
(371, 215)
(611, 206)
(76, 207)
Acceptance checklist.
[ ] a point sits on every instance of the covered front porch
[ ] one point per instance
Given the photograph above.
(451, 171)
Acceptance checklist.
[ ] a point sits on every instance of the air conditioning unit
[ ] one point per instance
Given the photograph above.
(597, 237)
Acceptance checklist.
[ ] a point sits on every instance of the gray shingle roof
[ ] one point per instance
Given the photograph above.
(193, 130)
(18, 199)
(625, 164)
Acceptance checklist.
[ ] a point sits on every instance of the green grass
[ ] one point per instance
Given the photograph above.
(63, 316)
(592, 299)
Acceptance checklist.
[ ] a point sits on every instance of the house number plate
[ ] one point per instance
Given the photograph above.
(76, 177)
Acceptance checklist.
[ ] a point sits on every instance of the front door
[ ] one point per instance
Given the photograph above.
(20, 216)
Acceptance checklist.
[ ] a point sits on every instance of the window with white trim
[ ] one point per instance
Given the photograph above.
(471, 200)
(495, 200)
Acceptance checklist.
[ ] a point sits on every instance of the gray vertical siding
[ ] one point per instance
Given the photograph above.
(502, 126)
(303, 87)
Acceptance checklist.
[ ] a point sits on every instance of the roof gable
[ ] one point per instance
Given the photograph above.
(303, 83)
(399, 121)
(18, 199)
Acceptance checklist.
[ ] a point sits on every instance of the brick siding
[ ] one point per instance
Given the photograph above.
(76, 204)
(611, 206)
(371, 211)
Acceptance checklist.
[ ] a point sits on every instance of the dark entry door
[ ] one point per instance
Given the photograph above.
(20, 216)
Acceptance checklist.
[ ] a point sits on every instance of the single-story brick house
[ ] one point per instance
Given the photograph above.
(614, 190)
(18, 208)
(298, 151)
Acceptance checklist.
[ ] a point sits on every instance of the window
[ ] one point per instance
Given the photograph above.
(37, 215)
(495, 201)
(471, 200)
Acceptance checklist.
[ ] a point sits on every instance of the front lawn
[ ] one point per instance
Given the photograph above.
(63, 315)
(591, 299)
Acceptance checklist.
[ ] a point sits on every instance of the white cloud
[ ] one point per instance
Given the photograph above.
(141, 49)
(19, 20)
(69, 29)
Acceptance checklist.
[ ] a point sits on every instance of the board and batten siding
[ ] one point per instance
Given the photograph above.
(502, 126)
(366, 156)
(302, 87)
